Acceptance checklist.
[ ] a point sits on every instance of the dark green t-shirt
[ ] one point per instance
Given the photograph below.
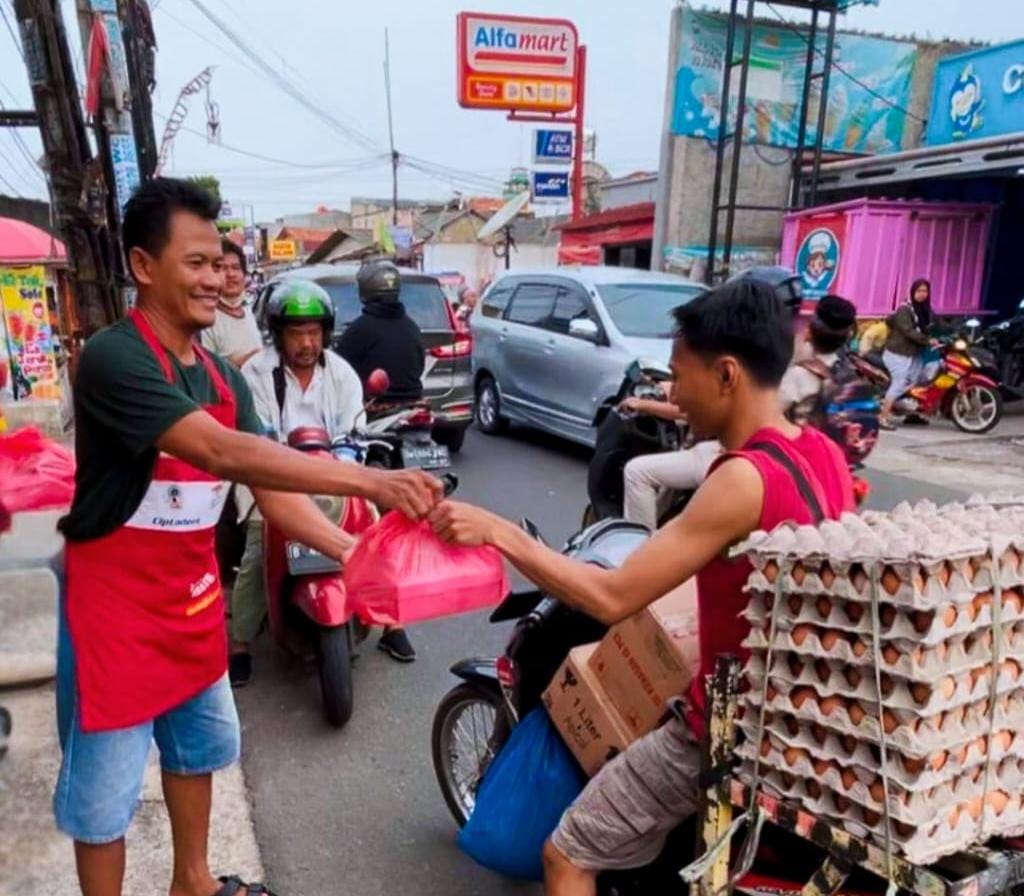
(123, 404)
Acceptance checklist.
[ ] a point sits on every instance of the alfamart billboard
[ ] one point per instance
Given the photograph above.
(861, 117)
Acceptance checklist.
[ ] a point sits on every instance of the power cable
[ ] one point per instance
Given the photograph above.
(839, 68)
(350, 133)
(205, 37)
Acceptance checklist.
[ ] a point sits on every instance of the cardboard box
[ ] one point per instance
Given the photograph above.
(583, 714)
(646, 660)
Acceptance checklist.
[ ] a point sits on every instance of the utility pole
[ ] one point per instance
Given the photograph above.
(75, 177)
(140, 57)
(391, 131)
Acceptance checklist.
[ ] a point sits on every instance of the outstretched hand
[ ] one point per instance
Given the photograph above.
(413, 492)
(463, 524)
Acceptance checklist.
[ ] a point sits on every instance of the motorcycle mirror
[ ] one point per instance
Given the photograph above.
(973, 323)
(1020, 305)
(378, 382)
(530, 528)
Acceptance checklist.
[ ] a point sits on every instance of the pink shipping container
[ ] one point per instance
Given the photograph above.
(871, 250)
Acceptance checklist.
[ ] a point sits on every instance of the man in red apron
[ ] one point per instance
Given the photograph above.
(733, 347)
(162, 429)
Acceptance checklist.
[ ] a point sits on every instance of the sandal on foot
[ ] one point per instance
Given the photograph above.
(235, 886)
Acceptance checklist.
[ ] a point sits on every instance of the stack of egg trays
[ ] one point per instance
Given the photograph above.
(954, 766)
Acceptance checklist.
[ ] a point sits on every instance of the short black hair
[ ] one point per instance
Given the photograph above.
(742, 318)
(832, 323)
(227, 246)
(147, 215)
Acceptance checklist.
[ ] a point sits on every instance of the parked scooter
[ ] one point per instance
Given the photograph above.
(1005, 341)
(623, 435)
(403, 433)
(474, 720)
(965, 388)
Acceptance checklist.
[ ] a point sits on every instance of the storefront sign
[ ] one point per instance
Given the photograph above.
(550, 186)
(552, 147)
(863, 115)
(283, 250)
(30, 339)
(516, 62)
(978, 94)
(819, 253)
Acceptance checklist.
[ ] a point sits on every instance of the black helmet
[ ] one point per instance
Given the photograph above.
(378, 281)
(299, 301)
(787, 285)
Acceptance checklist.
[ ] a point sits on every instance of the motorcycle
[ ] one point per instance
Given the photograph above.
(402, 434)
(474, 720)
(623, 435)
(965, 388)
(1005, 341)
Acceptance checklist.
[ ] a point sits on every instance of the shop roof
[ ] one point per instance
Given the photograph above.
(990, 155)
(639, 211)
(23, 243)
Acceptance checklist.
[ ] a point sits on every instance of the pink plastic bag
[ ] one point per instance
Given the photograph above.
(36, 473)
(401, 572)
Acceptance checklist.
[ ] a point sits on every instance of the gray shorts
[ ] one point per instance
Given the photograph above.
(627, 810)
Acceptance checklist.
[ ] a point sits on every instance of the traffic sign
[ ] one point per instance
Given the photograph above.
(550, 186)
(552, 147)
(283, 250)
(517, 62)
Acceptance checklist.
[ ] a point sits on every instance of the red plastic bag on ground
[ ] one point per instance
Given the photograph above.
(401, 572)
(36, 473)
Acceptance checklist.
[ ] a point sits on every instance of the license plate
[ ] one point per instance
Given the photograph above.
(426, 456)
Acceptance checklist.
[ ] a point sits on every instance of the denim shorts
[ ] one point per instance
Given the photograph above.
(101, 773)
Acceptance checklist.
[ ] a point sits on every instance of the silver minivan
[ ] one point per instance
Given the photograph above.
(550, 347)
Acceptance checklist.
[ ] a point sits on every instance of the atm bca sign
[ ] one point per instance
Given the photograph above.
(515, 62)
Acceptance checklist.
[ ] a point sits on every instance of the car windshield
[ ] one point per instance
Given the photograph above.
(423, 300)
(644, 310)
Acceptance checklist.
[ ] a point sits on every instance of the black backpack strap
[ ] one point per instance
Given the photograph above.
(802, 485)
(279, 387)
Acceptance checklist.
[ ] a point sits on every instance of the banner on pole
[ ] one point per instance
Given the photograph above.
(29, 338)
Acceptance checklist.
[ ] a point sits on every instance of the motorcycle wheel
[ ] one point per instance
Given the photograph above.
(334, 665)
(977, 409)
(469, 730)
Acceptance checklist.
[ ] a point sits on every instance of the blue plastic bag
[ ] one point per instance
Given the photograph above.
(531, 782)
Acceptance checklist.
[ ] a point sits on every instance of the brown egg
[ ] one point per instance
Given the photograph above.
(771, 571)
(889, 721)
(890, 654)
(974, 807)
(771, 692)
(829, 705)
(938, 761)
(795, 602)
(1011, 668)
(800, 633)
(768, 600)
(792, 755)
(961, 754)
(922, 620)
(997, 801)
(849, 744)
(849, 777)
(913, 764)
(981, 601)
(856, 712)
(798, 573)
(766, 746)
(877, 790)
(949, 616)
(919, 580)
(890, 580)
(858, 578)
(1012, 602)
(823, 606)
(795, 665)
(983, 674)
(812, 788)
(788, 780)
(820, 766)
(975, 774)
(980, 746)
(887, 615)
(827, 576)
(887, 683)
(947, 687)
(829, 639)
(920, 692)
(842, 804)
(819, 733)
(854, 611)
(941, 650)
(792, 725)
(798, 696)
(852, 675)
(870, 816)
(1010, 559)
(953, 819)
(858, 647)
(903, 828)
(943, 573)
(822, 670)
(1004, 739)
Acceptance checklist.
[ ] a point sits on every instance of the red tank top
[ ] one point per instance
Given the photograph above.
(720, 597)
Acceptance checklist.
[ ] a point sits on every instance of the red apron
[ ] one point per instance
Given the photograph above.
(144, 603)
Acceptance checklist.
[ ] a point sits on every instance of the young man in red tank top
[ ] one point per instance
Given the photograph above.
(732, 348)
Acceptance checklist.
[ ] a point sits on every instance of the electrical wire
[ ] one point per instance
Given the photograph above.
(205, 37)
(839, 68)
(11, 31)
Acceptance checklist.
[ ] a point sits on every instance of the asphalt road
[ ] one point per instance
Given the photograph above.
(359, 811)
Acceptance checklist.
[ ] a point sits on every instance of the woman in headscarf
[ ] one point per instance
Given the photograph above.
(905, 349)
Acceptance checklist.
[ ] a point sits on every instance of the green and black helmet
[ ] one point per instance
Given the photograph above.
(298, 302)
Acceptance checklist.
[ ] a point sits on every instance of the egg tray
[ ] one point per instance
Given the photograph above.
(927, 781)
(896, 623)
(908, 732)
(831, 677)
(920, 845)
(914, 662)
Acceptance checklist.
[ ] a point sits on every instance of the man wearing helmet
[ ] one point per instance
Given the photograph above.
(294, 383)
(384, 336)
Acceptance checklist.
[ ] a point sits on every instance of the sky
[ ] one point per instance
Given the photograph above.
(333, 52)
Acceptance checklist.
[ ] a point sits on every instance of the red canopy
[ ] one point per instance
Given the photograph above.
(22, 243)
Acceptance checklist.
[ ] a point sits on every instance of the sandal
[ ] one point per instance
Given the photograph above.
(235, 886)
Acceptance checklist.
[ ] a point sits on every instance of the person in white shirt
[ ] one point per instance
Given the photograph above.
(235, 334)
(294, 383)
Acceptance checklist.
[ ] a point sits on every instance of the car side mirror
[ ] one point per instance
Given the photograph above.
(585, 329)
